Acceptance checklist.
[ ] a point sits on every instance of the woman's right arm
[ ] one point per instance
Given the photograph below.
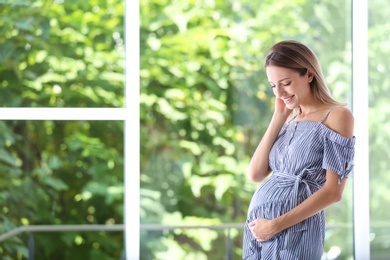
(259, 164)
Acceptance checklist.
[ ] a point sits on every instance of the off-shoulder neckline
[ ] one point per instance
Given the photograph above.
(318, 123)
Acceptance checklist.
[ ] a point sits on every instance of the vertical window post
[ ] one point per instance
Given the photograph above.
(360, 108)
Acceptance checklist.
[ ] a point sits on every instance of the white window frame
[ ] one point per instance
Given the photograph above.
(361, 190)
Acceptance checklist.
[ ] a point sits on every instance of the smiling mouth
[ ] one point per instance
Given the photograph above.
(288, 100)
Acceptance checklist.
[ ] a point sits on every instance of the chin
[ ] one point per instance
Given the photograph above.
(292, 106)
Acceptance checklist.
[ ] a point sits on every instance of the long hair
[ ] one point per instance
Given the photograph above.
(299, 57)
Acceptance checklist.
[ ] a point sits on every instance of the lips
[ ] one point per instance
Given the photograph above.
(288, 100)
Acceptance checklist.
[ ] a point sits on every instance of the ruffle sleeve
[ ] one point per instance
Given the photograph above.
(339, 154)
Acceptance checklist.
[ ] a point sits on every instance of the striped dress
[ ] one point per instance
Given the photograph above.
(299, 158)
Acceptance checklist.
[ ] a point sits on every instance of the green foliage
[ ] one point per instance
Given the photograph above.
(62, 54)
(66, 54)
(205, 102)
(379, 127)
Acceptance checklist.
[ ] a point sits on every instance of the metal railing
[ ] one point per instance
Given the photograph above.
(145, 227)
(110, 228)
(54, 228)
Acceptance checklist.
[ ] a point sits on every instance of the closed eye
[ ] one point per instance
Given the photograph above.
(286, 84)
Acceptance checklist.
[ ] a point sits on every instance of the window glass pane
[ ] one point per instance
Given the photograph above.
(206, 102)
(379, 126)
(61, 173)
(62, 53)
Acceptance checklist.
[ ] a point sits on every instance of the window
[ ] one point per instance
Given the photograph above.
(205, 102)
(378, 131)
(62, 122)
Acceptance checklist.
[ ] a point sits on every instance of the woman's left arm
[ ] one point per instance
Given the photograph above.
(342, 122)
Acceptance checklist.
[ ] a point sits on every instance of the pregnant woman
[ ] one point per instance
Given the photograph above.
(308, 151)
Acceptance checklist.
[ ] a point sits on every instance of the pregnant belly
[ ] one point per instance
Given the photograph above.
(273, 200)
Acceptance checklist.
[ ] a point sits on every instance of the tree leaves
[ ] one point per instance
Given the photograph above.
(61, 54)
(6, 50)
(205, 102)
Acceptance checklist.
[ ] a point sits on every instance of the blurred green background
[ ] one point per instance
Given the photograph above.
(205, 103)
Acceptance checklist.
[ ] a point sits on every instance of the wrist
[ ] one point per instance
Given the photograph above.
(280, 117)
(279, 224)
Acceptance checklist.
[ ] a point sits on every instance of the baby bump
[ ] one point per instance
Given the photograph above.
(271, 201)
(270, 192)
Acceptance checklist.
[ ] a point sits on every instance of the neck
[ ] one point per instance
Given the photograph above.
(311, 107)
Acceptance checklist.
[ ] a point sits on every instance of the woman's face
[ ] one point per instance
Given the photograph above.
(289, 86)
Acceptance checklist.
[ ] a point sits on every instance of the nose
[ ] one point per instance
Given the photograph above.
(278, 91)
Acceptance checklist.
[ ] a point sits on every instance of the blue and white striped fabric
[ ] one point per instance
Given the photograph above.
(299, 159)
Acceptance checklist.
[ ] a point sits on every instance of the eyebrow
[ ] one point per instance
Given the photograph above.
(283, 79)
(280, 80)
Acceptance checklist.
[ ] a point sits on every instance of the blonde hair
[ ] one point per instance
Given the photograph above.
(299, 57)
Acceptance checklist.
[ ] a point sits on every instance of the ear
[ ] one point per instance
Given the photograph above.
(310, 76)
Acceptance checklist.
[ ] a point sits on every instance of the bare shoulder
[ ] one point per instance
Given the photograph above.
(341, 121)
